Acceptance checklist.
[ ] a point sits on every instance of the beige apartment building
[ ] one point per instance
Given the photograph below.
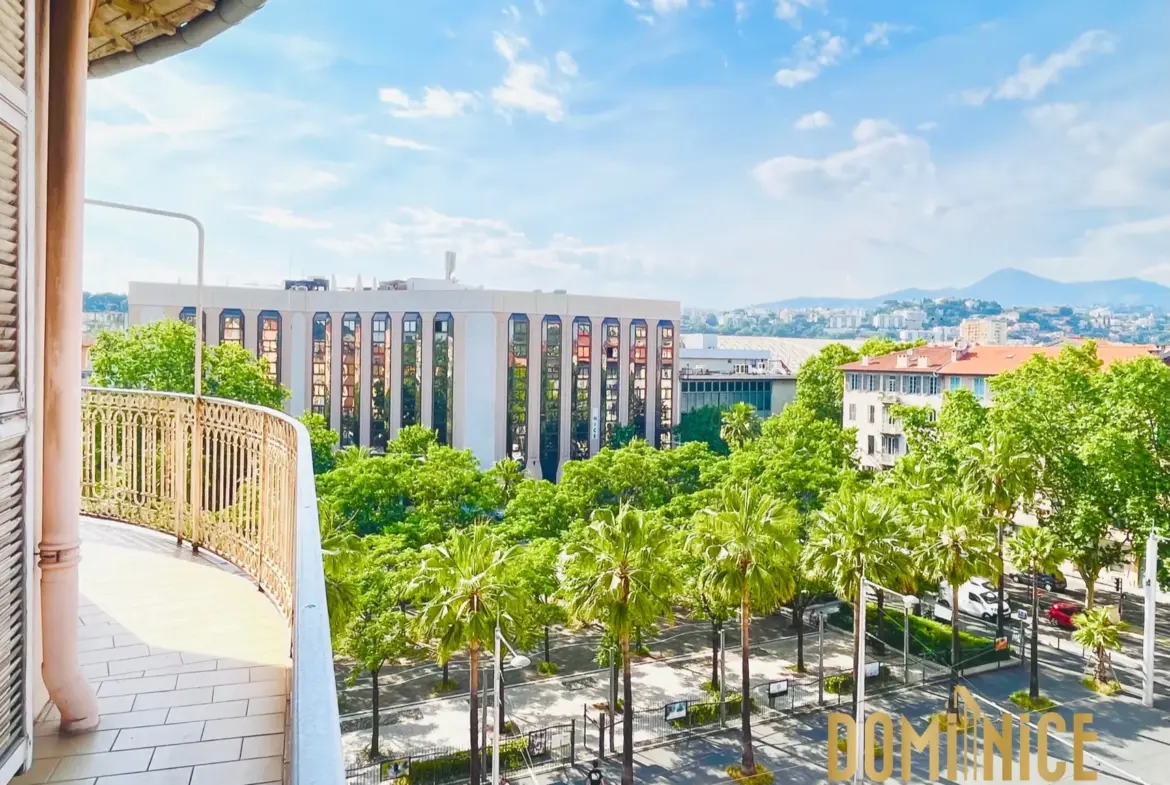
(983, 332)
(540, 377)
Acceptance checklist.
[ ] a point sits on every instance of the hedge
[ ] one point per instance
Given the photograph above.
(929, 638)
(706, 713)
(842, 683)
(456, 766)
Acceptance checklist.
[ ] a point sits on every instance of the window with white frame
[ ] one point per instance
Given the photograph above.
(852, 412)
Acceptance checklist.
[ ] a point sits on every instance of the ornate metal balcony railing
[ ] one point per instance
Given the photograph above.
(237, 481)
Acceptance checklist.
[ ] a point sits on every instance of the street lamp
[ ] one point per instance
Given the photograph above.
(196, 437)
(1151, 618)
(517, 661)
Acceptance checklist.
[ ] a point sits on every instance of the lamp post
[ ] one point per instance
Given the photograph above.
(517, 661)
(722, 677)
(1151, 617)
(196, 437)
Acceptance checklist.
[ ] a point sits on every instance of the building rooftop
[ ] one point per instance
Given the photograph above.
(788, 352)
(984, 360)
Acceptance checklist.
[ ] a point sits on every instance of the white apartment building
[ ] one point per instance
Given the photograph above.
(888, 321)
(1101, 318)
(920, 376)
(912, 318)
(984, 332)
(452, 358)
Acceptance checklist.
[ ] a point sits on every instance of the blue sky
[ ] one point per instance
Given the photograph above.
(713, 151)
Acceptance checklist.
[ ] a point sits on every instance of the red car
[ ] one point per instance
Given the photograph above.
(1061, 613)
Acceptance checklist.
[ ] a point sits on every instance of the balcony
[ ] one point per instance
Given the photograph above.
(189, 612)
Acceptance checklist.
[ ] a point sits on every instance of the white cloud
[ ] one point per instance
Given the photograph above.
(512, 12)
(666, 6)
(974, 97)
(1032, 78)
(741, 10)
(646, 19)
(817, 119)
(283, 218)
(813, 53)
(879, 34)
(404, 143)
(1053, 115)
(436, 102)
(1140, 168)
(539, 7)
(927, 126)
(566, 64)
(789, 10)
(525, 86)
(884, 160)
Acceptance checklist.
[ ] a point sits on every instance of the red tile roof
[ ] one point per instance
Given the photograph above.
(987, 360)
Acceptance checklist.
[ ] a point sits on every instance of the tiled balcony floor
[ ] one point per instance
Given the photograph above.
(190, 664)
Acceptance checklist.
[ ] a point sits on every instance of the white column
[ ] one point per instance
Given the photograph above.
(294, 383)
(427, 367)
(501, 364)
(535, 331)
(365, 367)
(596, 387)
(252, 330)
(335, 371)
(395, 373)
(458, 372)
(567, 386)
(676, 399)
(211, 315)
(651, 381)
(624, 374)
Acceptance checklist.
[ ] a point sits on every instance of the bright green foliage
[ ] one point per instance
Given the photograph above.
(341, 555)
(537, 510)
(702, 425)
(508, 474)
(621, 435)
(535, 567)
(161, 356)
(820, 385)
(739, 425)
(748, 547)
(322, 440)
(1099, 629)
(413, 440)
(877, 346)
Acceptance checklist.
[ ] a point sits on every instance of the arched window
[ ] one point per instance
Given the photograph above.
(579, 413)
(381, 334)
(411, 369)
(322, 352)
(611, 370)
(517, 427)
(443, 392)
(638, 381)
(665, 383)
(268, 328)
(231, 326)
(550, 397)
(351, 378)
(187, 315)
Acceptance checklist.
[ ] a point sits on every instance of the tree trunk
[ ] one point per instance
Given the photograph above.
(1034, 671)
(446, 672)
(799, 618)
(715, 654)
(745, 695)
(474, 753)
(375, 749)
(546, 646)
(956, 654)
(880, 644)
(1090, 591)
(627, 714)
(999, 620)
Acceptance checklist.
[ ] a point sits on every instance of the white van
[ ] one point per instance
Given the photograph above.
(976, 597)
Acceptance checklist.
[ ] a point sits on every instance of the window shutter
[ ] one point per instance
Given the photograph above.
(12, 41)
(13, 600)
(9, 253)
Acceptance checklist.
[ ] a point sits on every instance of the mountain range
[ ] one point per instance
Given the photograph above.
(1012, 288)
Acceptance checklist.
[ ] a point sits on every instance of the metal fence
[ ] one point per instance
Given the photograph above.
(538, 750)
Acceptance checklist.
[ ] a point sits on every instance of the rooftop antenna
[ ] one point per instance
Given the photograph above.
(449, 265)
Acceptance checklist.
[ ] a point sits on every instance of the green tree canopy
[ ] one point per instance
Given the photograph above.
(820, 385)
(702, 425)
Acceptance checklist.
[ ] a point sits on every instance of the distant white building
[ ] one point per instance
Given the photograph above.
(984, 332)
(912, 318)
(888, 321)
(1101, 318)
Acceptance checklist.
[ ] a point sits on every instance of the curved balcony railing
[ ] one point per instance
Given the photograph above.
(237, 481)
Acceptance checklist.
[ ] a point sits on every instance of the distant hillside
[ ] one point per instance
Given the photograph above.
(1013, 288)
(103, 301)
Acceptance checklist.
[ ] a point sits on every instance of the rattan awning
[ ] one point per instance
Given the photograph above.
(124, 34)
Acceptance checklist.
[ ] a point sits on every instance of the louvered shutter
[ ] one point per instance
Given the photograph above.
(16, 165)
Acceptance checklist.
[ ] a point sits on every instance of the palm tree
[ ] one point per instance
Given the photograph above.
(1002, 474)
(1099, 629)
(468, 590)
(955, 544)
(614, 574)
(749, 549)
(341, 553)
(1036, 549)
(508, 473)
(857, 533)
(351, 455)
(739, 425)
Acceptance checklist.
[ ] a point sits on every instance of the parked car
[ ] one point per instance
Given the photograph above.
(1060, 614)
(942, 610)
(977, 599)
(1045, 580)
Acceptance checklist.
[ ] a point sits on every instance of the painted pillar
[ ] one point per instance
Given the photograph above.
(426, 334)
(252, 330)
(596, 390)
(335, 371)
(395, 373)
(296, 385)
(624, 354)
(535, 335)
(59, 548)
(366, 365)
(459, 374)
(568, 385)
(651, 382)
(501, 382)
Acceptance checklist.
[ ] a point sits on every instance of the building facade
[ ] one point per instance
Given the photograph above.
(985, 332)
(539, 377)
(922, 375)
